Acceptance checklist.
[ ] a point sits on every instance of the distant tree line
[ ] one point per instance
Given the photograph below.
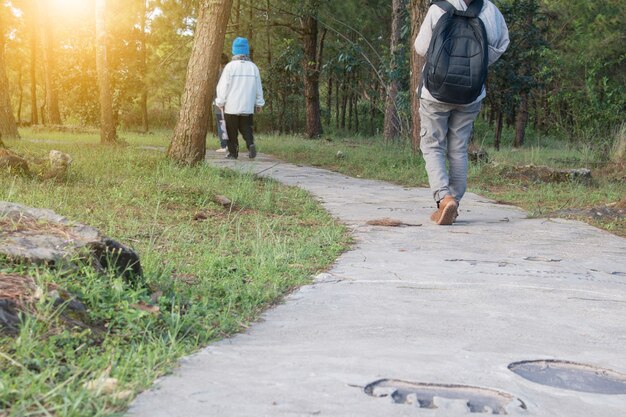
(327, 66)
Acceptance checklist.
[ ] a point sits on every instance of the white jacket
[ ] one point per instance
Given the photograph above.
(497, 34)
(239, 89)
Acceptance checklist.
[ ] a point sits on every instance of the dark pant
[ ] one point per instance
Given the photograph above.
(218, 120)
(236, 123)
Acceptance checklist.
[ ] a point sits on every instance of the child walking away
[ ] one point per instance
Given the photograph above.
(239, 95)
(460, 39)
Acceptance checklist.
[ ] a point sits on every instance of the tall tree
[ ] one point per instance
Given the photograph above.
(418, 12)
(311, 64)
(144, 68)
(188, 144)
(8, 127)
(32, 21)
(392, 118)
(50, 65)
(108, 132)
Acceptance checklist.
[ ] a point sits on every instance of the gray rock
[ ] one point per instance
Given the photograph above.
(41, 236)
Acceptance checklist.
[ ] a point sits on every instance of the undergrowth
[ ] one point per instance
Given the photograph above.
(208, 270)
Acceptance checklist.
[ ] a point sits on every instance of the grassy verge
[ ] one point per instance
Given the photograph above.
(396, 162)
(203, 279)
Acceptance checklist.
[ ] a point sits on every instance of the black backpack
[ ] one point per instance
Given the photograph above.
(457, 57)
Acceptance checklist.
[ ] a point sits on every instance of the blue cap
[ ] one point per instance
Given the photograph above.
(241, 47)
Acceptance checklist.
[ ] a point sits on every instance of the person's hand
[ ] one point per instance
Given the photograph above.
(258, 109)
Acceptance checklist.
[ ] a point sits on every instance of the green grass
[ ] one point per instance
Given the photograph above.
(396, 162)
(208, 278)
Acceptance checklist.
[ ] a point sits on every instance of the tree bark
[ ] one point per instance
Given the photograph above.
(21, 96)
(521, 120)
(8, 127)
(32, 22)
(392, 126)
(108, 132)
(189, 141)
(418, 12)
(268, 34)
(372, 114)
(337, 98)
(344, 99)
(498, 133)
(311, 68)
(356, 112)
(49, 59)
(145, 127)
(329, 99)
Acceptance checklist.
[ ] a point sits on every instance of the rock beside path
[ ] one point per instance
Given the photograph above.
(40, 236)
(546, 174)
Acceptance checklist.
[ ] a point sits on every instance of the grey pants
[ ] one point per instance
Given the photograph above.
(445, 134)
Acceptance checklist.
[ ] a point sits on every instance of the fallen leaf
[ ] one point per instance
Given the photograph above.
(102, 385)
(146, 307)
(389, 222)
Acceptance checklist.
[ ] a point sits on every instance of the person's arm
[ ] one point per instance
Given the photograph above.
(259, 101)
(501, 41)
(422, 41)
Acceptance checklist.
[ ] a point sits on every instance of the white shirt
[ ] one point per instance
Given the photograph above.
(497, 34)
(239, 89)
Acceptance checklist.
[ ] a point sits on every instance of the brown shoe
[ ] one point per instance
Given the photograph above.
(447, 211)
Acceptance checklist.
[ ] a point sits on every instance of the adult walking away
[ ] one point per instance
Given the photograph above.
(458, 48)
(239, 95)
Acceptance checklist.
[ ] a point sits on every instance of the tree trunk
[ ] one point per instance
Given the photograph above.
(237, 19)
(8, 127)
(108, 132)
(337, 98)
(498, 134)
(350, 107)
(311, 68)
(521, 120)
(49, 59)
(418, 12)
(372, 114)
(32, 30)
(21, 96)
(144, 70)
(329, 99)
(268, 33)
(356, 112)
(392, 119)
(344, 99)
(189, 141)
(251, 22)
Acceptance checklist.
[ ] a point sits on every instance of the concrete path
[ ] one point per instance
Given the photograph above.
(424, 321)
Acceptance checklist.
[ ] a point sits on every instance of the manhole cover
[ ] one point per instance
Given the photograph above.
(477, 400)
(571, 376)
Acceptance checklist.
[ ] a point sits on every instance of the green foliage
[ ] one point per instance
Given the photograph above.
(517, 71)
(568, 56)
(586, 66)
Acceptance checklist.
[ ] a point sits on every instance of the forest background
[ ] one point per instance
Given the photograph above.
(326, 66)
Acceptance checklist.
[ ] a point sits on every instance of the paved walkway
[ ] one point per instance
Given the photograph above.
(424, 321)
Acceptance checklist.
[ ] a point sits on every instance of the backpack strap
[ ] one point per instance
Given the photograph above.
(448, 8)
(473, 9)
(443, 4)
